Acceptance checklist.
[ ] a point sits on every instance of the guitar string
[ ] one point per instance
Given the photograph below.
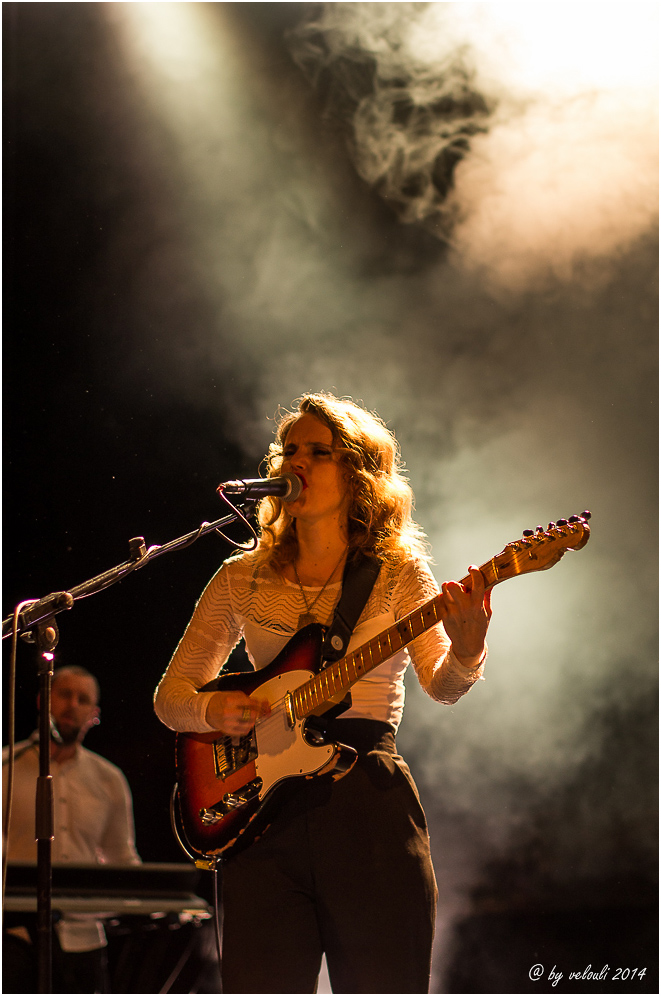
(277, 703)
(368, 646)
(519, 558)
(395, 630)
(360, 651)
(376, 643)
(353, 659)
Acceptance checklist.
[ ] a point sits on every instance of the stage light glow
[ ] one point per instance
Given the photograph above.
(170, 39)
(549, 48)
(551, 124)
(568, 171)
(183, 64)
(263, 229)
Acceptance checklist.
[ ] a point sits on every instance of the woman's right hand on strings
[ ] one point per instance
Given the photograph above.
(234, 713)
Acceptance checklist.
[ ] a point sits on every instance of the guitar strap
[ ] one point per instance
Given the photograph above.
(360, 574)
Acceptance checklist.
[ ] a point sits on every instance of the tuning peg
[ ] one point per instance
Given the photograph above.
(528, 532)
(552, 525)
(562, 522)
(540, 529)
(580, 518)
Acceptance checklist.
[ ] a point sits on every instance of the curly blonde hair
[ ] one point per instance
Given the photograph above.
(380, 499)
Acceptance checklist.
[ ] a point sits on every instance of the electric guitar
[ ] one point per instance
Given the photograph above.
(227, 787)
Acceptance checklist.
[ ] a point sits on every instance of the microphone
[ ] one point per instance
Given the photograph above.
(288, 487)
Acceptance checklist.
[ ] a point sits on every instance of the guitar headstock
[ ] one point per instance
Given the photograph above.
(538, 549)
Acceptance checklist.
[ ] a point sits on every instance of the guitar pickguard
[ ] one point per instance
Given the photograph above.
(282, 749)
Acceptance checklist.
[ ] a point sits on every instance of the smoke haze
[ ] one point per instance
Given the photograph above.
(508, 345)
(513, 367)
(422, 207)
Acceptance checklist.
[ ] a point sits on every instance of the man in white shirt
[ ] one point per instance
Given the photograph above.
(93, 821)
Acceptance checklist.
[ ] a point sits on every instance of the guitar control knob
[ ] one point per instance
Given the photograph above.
(586, 515)
(552, 524)
(528, 532)
(562, 522)
(540, 529)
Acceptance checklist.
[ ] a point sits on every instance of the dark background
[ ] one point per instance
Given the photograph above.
(92, 460)
(138, 375)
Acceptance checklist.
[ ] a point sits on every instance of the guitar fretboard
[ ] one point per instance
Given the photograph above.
(336, 679)
(534, 552)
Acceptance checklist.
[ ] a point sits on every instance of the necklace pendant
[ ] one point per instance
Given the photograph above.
(305, 619)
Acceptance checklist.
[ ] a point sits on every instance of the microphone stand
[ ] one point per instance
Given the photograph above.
(46, 637)
(36, 624)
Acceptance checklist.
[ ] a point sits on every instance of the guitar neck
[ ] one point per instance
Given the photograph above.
(535, 551)
(334, 681)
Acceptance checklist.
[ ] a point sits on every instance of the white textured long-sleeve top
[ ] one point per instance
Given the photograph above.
(247, 600)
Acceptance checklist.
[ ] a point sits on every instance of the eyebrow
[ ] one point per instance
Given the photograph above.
(311, 442)
(66, 690)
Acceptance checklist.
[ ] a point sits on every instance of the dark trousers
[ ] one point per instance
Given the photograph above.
(344, 869)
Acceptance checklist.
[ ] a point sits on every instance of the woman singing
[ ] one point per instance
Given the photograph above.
(344, 868)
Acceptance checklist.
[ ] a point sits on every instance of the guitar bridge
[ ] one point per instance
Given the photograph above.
(229, 756)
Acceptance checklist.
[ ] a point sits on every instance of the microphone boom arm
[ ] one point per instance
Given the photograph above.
(139, 556)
